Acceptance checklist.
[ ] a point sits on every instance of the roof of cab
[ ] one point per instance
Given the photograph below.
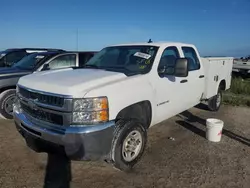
(158, 44)
(47, 53)
(34, 49)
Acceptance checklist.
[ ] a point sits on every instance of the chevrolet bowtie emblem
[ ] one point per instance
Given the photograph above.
(32, 104)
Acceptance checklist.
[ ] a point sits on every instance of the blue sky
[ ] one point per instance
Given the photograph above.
(216, 27)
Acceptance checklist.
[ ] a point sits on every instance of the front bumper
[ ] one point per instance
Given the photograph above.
(77, 143)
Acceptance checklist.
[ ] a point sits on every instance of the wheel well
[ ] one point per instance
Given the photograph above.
(6, 88)
(141, 111)
(223, 85)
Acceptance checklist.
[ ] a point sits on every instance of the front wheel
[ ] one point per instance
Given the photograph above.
(128, 144)
(214, 103)
(7, 99)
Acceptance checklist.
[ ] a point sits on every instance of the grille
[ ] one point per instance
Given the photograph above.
(45, 99)
(42, 115)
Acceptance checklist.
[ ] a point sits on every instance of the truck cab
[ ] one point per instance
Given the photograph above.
(102, 111)
(188, 90)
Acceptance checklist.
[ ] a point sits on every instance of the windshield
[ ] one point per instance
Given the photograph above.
(29, 62)
(129, 60)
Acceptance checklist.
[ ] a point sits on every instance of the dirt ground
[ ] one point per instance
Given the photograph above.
(188, 161)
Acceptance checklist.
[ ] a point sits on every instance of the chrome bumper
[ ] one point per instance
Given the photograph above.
(78, 143)
(238, 69)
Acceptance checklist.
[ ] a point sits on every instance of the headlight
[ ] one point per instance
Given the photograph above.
(99, 103)
(90, 110)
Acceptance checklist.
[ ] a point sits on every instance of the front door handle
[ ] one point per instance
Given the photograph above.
(183, 81)
(201, 76)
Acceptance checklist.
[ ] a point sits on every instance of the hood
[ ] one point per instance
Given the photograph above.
(12, 71)
(74, 82)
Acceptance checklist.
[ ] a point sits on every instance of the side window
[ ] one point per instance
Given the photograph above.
(169, 57)
(193, 60)
(63, 61)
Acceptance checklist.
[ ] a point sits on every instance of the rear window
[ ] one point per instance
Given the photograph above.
(193, 60)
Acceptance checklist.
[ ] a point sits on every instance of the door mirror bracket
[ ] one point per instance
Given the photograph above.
(45, 67)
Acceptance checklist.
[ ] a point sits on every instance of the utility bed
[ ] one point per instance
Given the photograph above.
(216, 69)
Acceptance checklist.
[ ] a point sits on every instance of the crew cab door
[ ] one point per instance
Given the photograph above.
(196, 77)
(171, 90)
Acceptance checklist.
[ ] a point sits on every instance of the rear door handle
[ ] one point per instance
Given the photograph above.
(183, 81)
(201, 76)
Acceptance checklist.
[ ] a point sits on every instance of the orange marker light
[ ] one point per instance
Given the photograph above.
(104, 103)
(103, 115)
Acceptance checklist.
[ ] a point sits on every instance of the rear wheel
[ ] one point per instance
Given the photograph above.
(7, 99)
(214, 103)
(128, 144)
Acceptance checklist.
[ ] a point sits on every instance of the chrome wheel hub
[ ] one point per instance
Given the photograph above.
(8, 106)
(132, 146)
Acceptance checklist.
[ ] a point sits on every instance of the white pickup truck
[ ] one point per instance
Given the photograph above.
(103, 111)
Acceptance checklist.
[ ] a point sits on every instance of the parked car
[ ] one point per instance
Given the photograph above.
(13, 55)
(104, 110)
(241, 66)
(34, 63)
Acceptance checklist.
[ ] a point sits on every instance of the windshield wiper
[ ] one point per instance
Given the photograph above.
(127, 71)
(22, 68)
(116, 67)
(91, 66)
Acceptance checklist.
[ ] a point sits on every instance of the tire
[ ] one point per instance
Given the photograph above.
(214, 103)
(123, 129)
(7, 99)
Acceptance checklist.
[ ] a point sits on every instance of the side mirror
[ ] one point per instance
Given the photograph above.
(181, 67)
(45, 67)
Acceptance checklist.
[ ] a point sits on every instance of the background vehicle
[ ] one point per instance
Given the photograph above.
(34, 63)
(247, 58)
(13, 55)
(103, 111)
(241, 66)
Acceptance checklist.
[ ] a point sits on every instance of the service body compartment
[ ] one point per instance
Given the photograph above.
(216, 70)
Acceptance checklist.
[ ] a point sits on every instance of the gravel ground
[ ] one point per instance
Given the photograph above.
(188, 161)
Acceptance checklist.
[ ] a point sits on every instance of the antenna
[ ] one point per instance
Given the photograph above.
(150, 41)
(77, 39)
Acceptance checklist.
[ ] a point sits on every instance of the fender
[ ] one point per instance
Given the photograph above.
(122, 94)
(222, 83)
(8, 82)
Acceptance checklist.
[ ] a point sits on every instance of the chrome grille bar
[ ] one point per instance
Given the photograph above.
(41, 98)
(48, 108)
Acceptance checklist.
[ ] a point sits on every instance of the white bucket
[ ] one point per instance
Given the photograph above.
(214, 129)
